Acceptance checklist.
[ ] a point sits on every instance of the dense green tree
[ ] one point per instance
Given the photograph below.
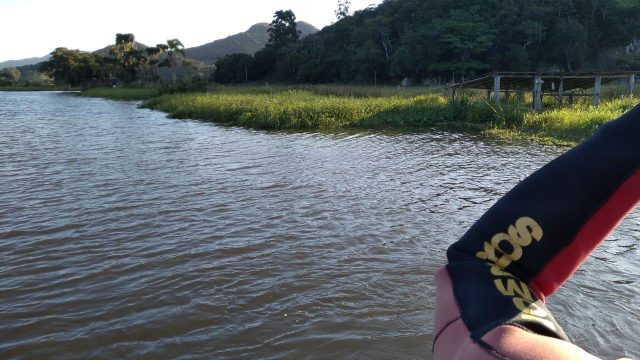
(29, 75)
(264, 62)
(443, 39)
(283, 30)
(604, 22)
(462, 38)
(153, 60)
(369, 64)
(130, 60)
(9, 76)
(124, 44)
(569, 40)
(343, 9)
(174, 49)
(434, 38)
(75, 67)
(126, 60)
(233, 69)
(280, 58)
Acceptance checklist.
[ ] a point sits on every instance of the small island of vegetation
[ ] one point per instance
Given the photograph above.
(340, 108)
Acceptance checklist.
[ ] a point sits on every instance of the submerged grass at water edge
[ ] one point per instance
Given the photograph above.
(121, 93)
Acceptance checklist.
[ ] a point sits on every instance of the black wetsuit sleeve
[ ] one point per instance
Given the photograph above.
(534, 238)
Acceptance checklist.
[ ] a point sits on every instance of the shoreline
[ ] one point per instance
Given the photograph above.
(15, 88)
(331, 108)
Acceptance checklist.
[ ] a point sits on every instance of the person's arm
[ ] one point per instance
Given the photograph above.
(491, 294)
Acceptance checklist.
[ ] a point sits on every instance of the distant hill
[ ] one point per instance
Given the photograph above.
(23, 62)
(36, 60)
(248, 42)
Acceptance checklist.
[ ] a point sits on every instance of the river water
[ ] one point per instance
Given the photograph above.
(125, 234)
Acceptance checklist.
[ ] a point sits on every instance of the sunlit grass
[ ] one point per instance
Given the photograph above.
(575, 122)
(289, 109)
(335, 90)
(340, 107)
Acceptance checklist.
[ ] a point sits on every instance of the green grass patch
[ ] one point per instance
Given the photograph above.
(120, 93)
(304, 109)
(339, 107)
(576, 122)
(359, 91)
(289, 109)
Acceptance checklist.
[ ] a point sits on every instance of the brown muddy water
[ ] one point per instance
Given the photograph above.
(124, 234)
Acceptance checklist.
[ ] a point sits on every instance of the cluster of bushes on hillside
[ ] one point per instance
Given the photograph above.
(125, 62)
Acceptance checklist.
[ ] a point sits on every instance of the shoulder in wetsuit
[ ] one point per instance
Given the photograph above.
(491, 294)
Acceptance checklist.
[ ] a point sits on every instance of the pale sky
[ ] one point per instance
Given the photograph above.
(34, 28)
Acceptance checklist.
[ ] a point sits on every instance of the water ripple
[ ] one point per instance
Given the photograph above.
(124, 234)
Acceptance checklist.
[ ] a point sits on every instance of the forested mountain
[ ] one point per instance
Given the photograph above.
(442, 39)
(431, 38)
(247, 42)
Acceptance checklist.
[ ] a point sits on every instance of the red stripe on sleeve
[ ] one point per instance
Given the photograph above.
(594, 231)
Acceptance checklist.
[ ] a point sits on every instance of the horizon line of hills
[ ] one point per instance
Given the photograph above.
(431, 41)
(247, 42)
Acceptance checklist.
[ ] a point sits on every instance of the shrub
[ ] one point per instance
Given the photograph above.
(184, 86)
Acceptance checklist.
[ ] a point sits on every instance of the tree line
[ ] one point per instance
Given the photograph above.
(440, 40)
(125, 62)
(9, 76)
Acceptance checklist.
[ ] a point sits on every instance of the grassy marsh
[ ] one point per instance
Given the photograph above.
(334, 107)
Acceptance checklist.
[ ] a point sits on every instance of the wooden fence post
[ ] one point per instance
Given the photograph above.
(632, 82)
(597, 93)
(561, 92)
(537, 93)
(496, 89)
